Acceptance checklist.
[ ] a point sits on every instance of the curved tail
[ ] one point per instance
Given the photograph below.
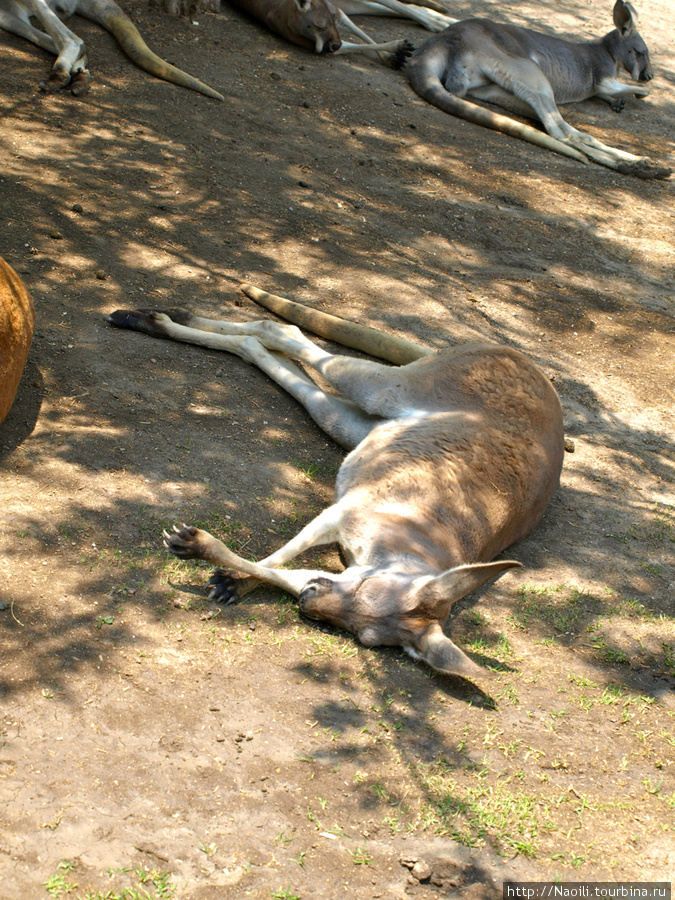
(111, 17)
(350, 334)
(429, 87)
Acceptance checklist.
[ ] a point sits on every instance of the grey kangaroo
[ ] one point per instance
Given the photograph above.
(70, 68)
(454, 456)
(530, 74)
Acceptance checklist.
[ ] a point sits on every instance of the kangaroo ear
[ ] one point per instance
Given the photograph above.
(436, 596)
(624, 17)
(437, 650)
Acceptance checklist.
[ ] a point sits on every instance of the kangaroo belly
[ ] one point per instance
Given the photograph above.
(457, 485)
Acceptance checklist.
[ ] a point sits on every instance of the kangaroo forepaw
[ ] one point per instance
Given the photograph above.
(224, 587)
(185, 543)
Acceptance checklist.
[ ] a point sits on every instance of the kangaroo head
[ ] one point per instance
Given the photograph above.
(314, 26)
(630, 51)
(384, 607)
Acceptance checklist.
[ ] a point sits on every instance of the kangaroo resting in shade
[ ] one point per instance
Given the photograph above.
(454, 456)
(530, 74)
(70, 67)
(314, 24)
(17, 321)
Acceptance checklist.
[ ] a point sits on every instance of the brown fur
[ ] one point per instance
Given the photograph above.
(17, 321)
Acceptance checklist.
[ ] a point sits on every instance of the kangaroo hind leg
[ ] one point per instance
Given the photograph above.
(267, 345)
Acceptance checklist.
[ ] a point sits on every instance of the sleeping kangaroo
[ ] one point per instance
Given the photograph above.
(530, 74)
(454, 456)
(70, 66)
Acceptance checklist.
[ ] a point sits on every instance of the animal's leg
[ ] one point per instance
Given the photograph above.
(393, 53)
(615, 92)
(428, 18)
(378, 389)
(374, 387)
(525, 79)
(71, 61)
(255, 342)
(493, 93)
(22, 28)
(193, 543)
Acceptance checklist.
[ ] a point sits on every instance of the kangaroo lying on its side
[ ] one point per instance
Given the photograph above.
(530, 74)
(454, 456)
(70, 67)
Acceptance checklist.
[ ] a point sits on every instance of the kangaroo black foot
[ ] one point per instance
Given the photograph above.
(223, 587)
(148, 321)
(645, 168)
(401, 55)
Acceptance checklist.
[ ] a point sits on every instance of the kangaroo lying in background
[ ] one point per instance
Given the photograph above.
(454, 456)
(17, 321)
(70, 67)
(314, 24)
(530, 74)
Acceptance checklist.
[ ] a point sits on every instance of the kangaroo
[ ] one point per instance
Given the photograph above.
(314, 24)
(454, 456)
(530, 74)
(17, 321)
(70, 67)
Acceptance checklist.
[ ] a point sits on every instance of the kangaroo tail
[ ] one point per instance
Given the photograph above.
(428, 85)
(111, 17)
(350, 334)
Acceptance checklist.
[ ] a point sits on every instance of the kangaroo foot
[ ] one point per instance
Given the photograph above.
(224, 587)
(644, 168)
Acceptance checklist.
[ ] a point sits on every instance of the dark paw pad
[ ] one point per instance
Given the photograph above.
(223, 587)
(183, 543)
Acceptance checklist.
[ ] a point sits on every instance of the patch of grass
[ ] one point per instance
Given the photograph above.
(487, 810)
(498, 647)
(610, 654)
(143, 884)
(284, 894)
(361, 857)
(659, 529)
(308, 469)
(562, 608)
(581, 680)
(331, 645)
(58, 884)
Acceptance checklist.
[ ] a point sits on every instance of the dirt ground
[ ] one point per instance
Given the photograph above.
(153, 744)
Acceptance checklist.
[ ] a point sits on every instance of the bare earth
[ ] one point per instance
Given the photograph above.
(152, 742)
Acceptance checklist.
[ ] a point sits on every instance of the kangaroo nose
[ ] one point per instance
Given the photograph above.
(335, 46)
